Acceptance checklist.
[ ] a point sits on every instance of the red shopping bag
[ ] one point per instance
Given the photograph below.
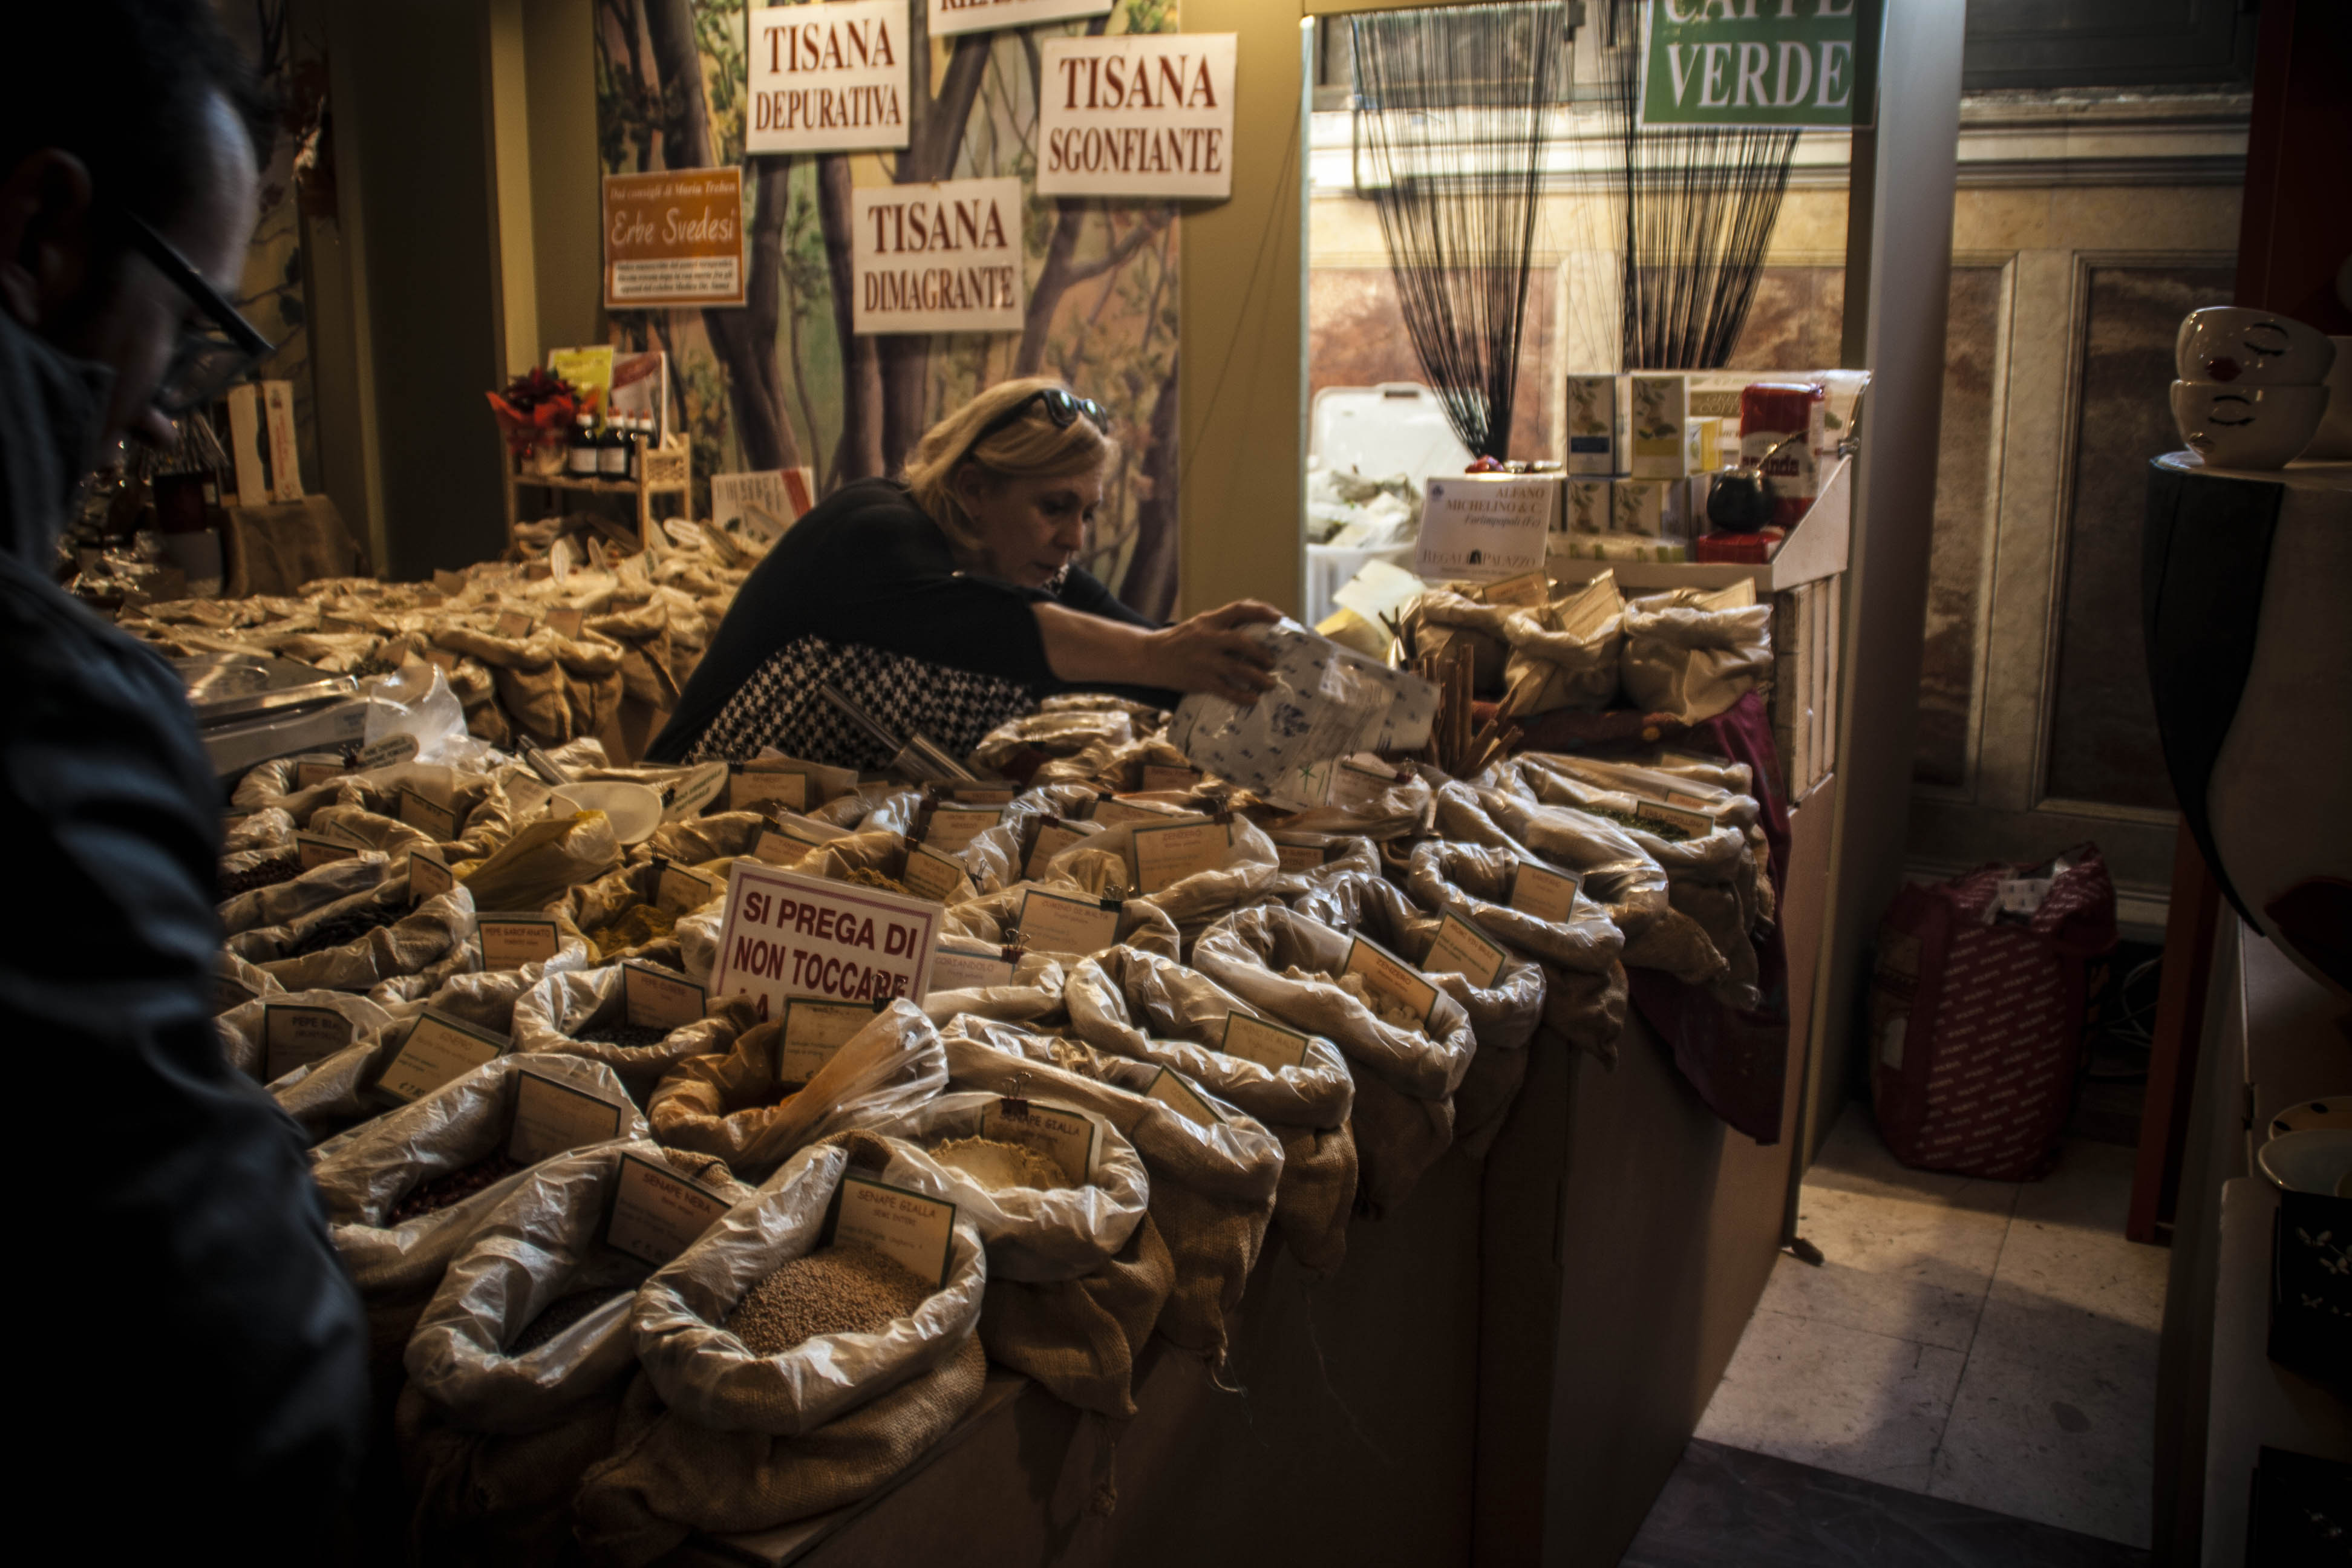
(1977, 1010)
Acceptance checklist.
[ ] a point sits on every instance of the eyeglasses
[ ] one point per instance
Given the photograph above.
(205, 363)
(1061, 407)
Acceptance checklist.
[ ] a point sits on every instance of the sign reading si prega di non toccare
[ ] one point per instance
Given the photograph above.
(785, 935)
(1781, 64)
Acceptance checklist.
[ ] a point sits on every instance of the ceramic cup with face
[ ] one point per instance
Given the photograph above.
(2231, 345)
(2232, 426)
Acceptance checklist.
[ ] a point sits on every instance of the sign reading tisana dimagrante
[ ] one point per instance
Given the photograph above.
(1777, 63)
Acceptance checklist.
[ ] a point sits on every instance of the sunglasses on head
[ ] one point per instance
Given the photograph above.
(208, 359)
(1061, 407)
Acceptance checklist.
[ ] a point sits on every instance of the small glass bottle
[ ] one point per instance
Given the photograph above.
(613, 452)
(580, 457)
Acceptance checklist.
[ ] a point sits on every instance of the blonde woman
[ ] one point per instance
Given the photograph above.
(946, 602)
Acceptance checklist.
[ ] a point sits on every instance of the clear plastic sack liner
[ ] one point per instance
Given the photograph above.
(1546, 772)
(315, 889)
(873, 808)
(1150, 1008)
(1473, 881)
(364, 1174)
(415, 701)
(890, 1066)
(1058, 733)
(1713, 855)
(1247, 953)
(485, 997)
(1440, 618)
(441, 927)
(1033, 994)
(1352, 805)
(542, 1241)
(706, 1375)
(989, 918)
(236, 981)
(241, 1028)
(1684, 659)
(541, 864)
(1327, 701)
(719, 835)
(1102, 866)
(995, 858)
(1567, 655)
(1349, 852)
(553, 1013)
(256, 839)
(1032, 1232)
(1618, 874)
(1503, 1016)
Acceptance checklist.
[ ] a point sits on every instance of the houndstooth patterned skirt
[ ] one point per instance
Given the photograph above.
(779, 707)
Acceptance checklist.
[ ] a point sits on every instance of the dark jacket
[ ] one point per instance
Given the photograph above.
(868, 567)
(201, 1343)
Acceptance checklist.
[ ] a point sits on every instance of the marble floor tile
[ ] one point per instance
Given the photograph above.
(2067, 1246)
(2055, 1418)
(1912, 1269)
(1859, 1403)
(1854, 1158)
(1726, 1508)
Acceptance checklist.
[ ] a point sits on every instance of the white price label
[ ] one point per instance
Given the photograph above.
(682, 892)
(1461, 948)
(438, 1050)
(952, 827)
(1165, 856)
(1386, 975)
(1067, 1137)
(955, 971)
(1170, 1090)
(429, 876)
(551, 1117)
(656, 1212)
(749, 789)
(1263, 1041)
(1544, 893)
(813, 1032)
(915, 1231)
(1053, 836)
(293, 1035)
(430, 817)
(1052, 922)
(935, 876)
(510, 942)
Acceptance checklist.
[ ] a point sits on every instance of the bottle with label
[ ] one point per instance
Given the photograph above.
(580, 457)
(612, 452)
(631, 429)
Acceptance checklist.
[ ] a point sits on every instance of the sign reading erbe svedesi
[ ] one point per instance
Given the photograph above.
(1777, 63)
(1146, 114)
(674, 238)
(827, 78)
(785, 935)
(941, 257)
(983, 15)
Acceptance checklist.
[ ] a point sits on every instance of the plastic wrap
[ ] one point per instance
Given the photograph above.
(553, 1013)
(1686, 659)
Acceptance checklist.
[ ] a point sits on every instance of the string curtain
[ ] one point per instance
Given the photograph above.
(1452, 116)
(1699, 203)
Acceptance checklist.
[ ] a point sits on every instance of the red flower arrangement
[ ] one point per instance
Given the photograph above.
(535, 412)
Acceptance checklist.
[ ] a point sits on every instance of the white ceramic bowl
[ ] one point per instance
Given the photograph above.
(2253, 348)
(2316, 1162)
(2332, 442)
(2233, 425)
(636, 810)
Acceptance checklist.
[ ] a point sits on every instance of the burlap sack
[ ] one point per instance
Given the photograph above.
(721, 835)
(994, 919)
(485, 1499)
(1441, 619)
(735, 1107)
(314, 889)
(1566, 655)
(632, 912)
(1718, 789)
(482, 997)
(1690, 654)
(1032, 1232)
(1103, 866)
(1152, 1009)
(1584, 984)
(1085, 737)
(242, 1029)
(1000, 856)
(440, 928)
(1403, 1118)
(712, 1437)
(554, 1013)
(1369, 800)
(1213, 1193)
(1504, 1016)
(540, 863)
(1032, 996)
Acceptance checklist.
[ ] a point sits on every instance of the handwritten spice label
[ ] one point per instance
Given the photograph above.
(1051, 923)
(659, 1001)
(952, 970)
(953, 826)
(681, 891)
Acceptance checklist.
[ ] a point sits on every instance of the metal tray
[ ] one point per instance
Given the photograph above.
(226, 686)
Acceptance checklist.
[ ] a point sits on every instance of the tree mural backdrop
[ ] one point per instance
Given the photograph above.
(782, 382)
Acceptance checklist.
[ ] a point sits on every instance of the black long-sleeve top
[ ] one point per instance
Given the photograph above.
(864, 593)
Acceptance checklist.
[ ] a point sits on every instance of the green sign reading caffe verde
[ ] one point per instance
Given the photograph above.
(1784, 63)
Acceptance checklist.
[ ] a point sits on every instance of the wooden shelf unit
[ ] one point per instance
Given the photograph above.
(664, 469)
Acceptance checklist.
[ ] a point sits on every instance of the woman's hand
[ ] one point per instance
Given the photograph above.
(1211, 652)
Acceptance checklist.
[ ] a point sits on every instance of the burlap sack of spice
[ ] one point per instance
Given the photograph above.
(999, 857)
(1692, 653)
(553, 1016)
(313, 890)
(1152, 1009)
(995, 919)
(1088, 735)
(719, 835)
(1718, 790)
(483, 997)
(1104, 866)
(712, 1437)
(1034, 1233)
(363, 1174)
(353, 823)
(735, 1107)
(437, 927)
(1370, 800)
(1212, 1195)
(266, 839)
(235, 981)
(874, 807)
(1033, 994)
(1441, 619)
(1312, 859)
(593, 685)
(1504, 1016)
(243, 1029)
(1584, 984)
(1566, 654)
(1406, 1077)
(529, 682)
(1712, 878)
(634, 911)
(648, 661)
